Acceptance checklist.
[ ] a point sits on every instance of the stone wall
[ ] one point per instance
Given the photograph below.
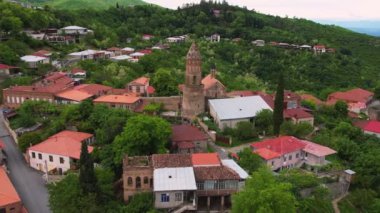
(171, 103)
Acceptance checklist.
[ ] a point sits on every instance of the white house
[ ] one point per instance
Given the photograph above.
(120, 58)
(258, 43)
(59, 152)
(33, 61)
(91, 54)
(215, 38)
(74, 30)
(230, 111)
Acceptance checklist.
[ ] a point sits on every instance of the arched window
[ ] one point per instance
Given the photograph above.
(138, 182)
(151, 183)
(146, 180)
(194, 79)
(130, 181)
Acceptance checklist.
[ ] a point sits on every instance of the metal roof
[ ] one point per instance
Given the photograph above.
(234, 166)
(32, 58)
(240, 107)
(174, 179)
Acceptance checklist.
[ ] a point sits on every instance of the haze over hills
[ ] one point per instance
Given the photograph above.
(369, 27)
(85, 4)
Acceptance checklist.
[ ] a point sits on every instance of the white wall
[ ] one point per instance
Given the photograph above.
(39, 164)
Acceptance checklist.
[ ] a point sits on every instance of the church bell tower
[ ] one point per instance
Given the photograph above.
(193, 101)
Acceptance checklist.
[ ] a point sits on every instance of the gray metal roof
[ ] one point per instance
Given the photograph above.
(240, 107)
(234, 166)
(174, 179)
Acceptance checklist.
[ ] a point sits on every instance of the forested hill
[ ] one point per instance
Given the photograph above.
(84, 4)
(356, 62)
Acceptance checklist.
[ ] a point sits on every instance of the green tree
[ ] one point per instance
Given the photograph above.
(264, 121)
(278, 116)
(341, 109)
(141, 202)
(245, 130)
(28, 139)
(377, 93)
(264, 194)
(300, 130)
(143, 135)
(164, 82)
(10, 24)
(249, 161)
(87, 177)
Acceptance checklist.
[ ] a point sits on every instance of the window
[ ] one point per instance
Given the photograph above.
(33, 155)
(151, 183)
(130, 181)
(284, 158)
(138, 182)
(40, 156)
(290, 157)
(178, 196)
(165, 198)
(146, 180)
(137, 89)
(50, 158)
(2, 210)
(297, 155)
(61, 160)
(306, 154)
(194, 79)
(272, 163)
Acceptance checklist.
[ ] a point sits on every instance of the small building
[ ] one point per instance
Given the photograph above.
(141, 86)
(215, 38)
(319, 49)
(373, 108)
(43, 53)
(356, 99)
(10, 201)
(228, 112)
(291, 100)
(259, 43)
(91, 54)
(305, 47)
(369, 127)
(6, 70)
(60, 152)
(74, 30)
(121, 58)
(147, 37)
(115, 50)
(78, 74)
(127, 50)
(177, 39)
(212, 87)
(130, 102)
(299, 115)
(288, 152)
(136, 56)
(33, 61)
(188, 139)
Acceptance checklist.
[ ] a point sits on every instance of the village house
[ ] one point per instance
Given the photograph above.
(373, 108)
(74, 30)
(127, 101)
(10, 201)
(6, 70)
(44, 90)
(121, 58)
(298, 115)
(82, 92)
(305, 47)
(141, 87)
(214, 38)
(188, 139)
(60, 152)
(147, 37)
(183, 182)
(177, 39)
(115, 50)
(228, 112)
(258, 43)
(212, 87)
(77, 74)
(356, 99)
(91, 54)
(136, 56)
(43, 53)
(319, 49)
(291, 100)
(127, 50)
(288, 152)
(369, 127)
(33, 61)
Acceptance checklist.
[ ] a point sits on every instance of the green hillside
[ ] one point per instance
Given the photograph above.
(86, 4)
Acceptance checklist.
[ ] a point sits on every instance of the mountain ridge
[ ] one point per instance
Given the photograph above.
(85, 4)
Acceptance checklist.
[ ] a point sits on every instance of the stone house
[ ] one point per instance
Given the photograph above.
(188, 139)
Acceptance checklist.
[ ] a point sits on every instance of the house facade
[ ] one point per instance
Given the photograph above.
(371, 127)
(141, 86)
(356, 99)
(298, 115)
(33, 61)
(129, 102)
(10, 201)
(188, 139)
(288, 152)
(60, 152)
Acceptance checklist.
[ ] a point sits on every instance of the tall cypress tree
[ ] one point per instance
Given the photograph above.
(278, 116)
(87, 178)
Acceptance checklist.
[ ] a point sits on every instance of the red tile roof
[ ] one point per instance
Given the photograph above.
(8, 194)
(267, 154)
(2, 144)
(215, 173)
(74, 95)
(146, 51)
(209, 81)
(185, 145)
(289, 95)
(151, 90)
(42, 53)
(297, 113)
(114, 49)
(117, 99)
(77, 70)
(187, 133)
(140, 81)
(319, 46)
(354, 95)
(4, 66)
(66, 143)
(205, 159)
(94, 89)
(369, 126)
(316, 149)
(171, 160)
(281, 145)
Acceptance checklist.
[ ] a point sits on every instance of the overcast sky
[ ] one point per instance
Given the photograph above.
(310, 9)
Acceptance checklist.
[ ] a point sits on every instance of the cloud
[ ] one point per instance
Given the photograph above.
(310, 9)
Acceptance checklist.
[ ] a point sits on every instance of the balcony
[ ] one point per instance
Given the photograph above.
(217, 188)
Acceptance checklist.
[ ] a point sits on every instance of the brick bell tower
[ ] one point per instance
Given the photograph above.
(193, 101)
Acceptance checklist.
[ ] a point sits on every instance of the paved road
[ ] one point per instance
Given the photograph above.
(223, 153)
(28, 182)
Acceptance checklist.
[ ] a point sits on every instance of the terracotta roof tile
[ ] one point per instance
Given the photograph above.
(297, 113)
(205, 159)
(354, 95)
(209, 81)
(140, 81)
(171, 160)
(8, 194)
(74, 95)
(267, 154)
(117, 99)
(215, 173)
(281, 145)
(187, 133)
(369, 126)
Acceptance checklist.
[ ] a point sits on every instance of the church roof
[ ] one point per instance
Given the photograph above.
(194, 52)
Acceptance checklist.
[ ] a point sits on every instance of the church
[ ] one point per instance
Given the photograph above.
(196, 91)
